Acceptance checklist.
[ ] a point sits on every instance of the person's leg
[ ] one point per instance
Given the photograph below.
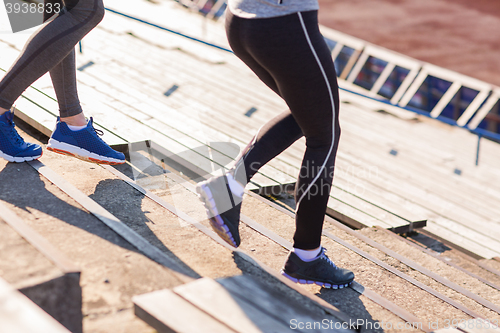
(52, 43)
(52, 49)
(291, 57)
(289, 68)
(294, 53)
(46, 49)
(222, 195)
(63, 76)
(278, 133)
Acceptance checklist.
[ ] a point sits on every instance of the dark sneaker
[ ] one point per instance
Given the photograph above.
(12, 145)
(84, 144)
(321, 271)
(223, 208)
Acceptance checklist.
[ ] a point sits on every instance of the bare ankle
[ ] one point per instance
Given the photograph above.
(76, 120)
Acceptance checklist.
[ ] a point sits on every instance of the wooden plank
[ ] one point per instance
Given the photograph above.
(235, 312)
(451, 187)
(353, 94)
(445, 99)
(405, 315)
(395, 205)
(434, 143)
(38, 110)
(402, 275)
(19, 314)
(433, 192)
(425, 271)
(358, 212)
(195, 89)
(159, 126)
(413, 88)
(171, 15)
(346, 199)
(177, 142)
(39, 271)
(274, 303)
(485, 109)
(436, 206)
(432, 275)
(443, 139)
(439, 257)
(401, 159)
(467, 239)
(167, 312)
(170, 67)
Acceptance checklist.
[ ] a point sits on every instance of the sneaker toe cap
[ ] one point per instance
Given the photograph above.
(345, 275)
(117, 155)
(31, 150)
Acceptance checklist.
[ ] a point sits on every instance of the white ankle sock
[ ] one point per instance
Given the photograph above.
(235, 186)
(307, 255)
(76, 128)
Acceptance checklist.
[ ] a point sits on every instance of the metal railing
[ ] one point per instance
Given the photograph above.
(416, 86)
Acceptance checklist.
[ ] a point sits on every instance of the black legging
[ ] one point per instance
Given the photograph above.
(289, 55)
(52, 49)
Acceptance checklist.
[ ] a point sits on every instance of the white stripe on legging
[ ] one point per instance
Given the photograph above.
(333, 109)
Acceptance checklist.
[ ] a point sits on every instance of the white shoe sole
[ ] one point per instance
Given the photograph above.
(80, 153)
(216, 222)
(18, 159)
(321, 284)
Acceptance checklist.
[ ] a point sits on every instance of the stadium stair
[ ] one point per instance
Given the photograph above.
(395, 282)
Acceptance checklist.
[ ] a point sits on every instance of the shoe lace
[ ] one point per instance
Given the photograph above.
(325, 257)
(11, 133)
(96, 130)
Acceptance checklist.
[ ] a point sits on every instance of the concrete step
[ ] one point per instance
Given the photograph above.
(113, 270)
(236, 304)
(183, 196)
(194, 252)
(271, 253)
(423, 304)
(38, 270)
(455, 257)
(19, 314)
(495, 263)
(485, 289)
(197, 254)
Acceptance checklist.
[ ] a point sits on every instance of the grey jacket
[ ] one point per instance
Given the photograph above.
(270, 8)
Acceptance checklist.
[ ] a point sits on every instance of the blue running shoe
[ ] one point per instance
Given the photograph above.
(12, 145)
(84, 144)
